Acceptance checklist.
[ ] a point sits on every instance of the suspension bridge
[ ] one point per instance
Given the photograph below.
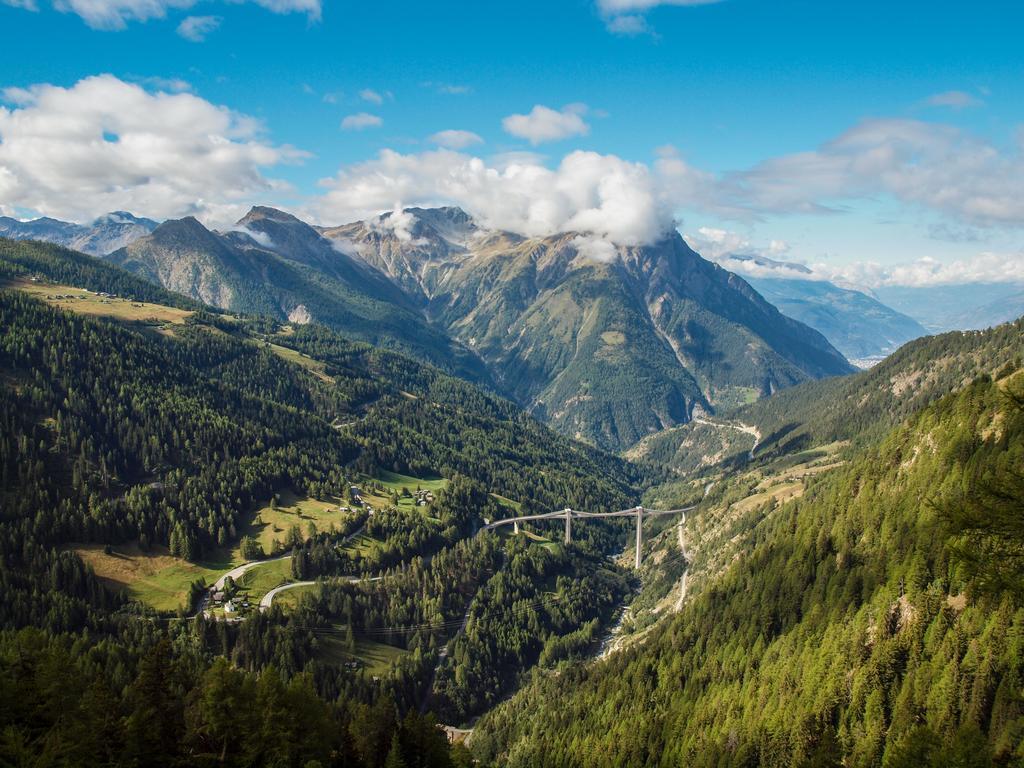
(568, 514)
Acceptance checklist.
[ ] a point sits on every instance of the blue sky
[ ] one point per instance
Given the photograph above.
(737, 88)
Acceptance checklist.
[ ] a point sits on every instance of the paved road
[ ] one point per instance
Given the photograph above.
(269, 597)
(236, 573)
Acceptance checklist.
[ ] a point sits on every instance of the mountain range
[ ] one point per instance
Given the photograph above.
(606, 348)
(107, 233)
(606, 343)
(858, 324)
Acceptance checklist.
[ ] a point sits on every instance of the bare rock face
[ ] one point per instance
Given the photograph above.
(300, 315)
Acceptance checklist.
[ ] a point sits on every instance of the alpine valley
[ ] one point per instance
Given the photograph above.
(592, 384)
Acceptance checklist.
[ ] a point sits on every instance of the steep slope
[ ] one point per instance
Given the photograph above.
(607, 349)
(860, 327)
(273, 264)
(105, 415)
(860, 408)
(107, 233)
(842, 634)
(20, 260)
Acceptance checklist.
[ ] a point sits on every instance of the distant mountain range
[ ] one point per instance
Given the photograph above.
(608, 344)
(860, 326)
(106, 234)
(975, 306)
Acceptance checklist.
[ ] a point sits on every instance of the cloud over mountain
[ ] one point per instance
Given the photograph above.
(599, 195)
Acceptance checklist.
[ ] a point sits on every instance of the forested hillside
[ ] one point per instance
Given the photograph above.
(850, 633)
(861, 408)
(144, 439)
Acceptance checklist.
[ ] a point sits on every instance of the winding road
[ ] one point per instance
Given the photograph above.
(746, 429)
(269, 597)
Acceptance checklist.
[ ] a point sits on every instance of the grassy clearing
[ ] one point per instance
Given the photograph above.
(256, 582)
(393, 481)
(362, 544)
(315, 366)
(291, 598)
(375, 657)
(85, 302)
(515, 506)
(273, 523)
(154, 578)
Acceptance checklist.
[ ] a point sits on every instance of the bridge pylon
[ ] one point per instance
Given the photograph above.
(639, 534)
(568, 525)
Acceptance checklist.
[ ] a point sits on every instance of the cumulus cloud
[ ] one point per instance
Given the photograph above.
(360, 121)
(954, 100)
(936, 166)
(196, 28)
(455, 139)
(602, 196)
(104, 144)
(546, 124)
(115, 14)
(370, 95)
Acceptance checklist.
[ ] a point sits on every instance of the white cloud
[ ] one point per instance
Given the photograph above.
(196, 28)
(546, 124)
(935, 166)
(985, 267)
(400, 222)
(360, 121)
(954, 100)
(347, 247)
(602, 196)
(115, 14)
(455, 139)
(449, 89)
(595, 248)
(370, 95)
(633, 6)
(628, 24)
(262, 238)
(104, 144)
(721, 246)
(625, 17)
